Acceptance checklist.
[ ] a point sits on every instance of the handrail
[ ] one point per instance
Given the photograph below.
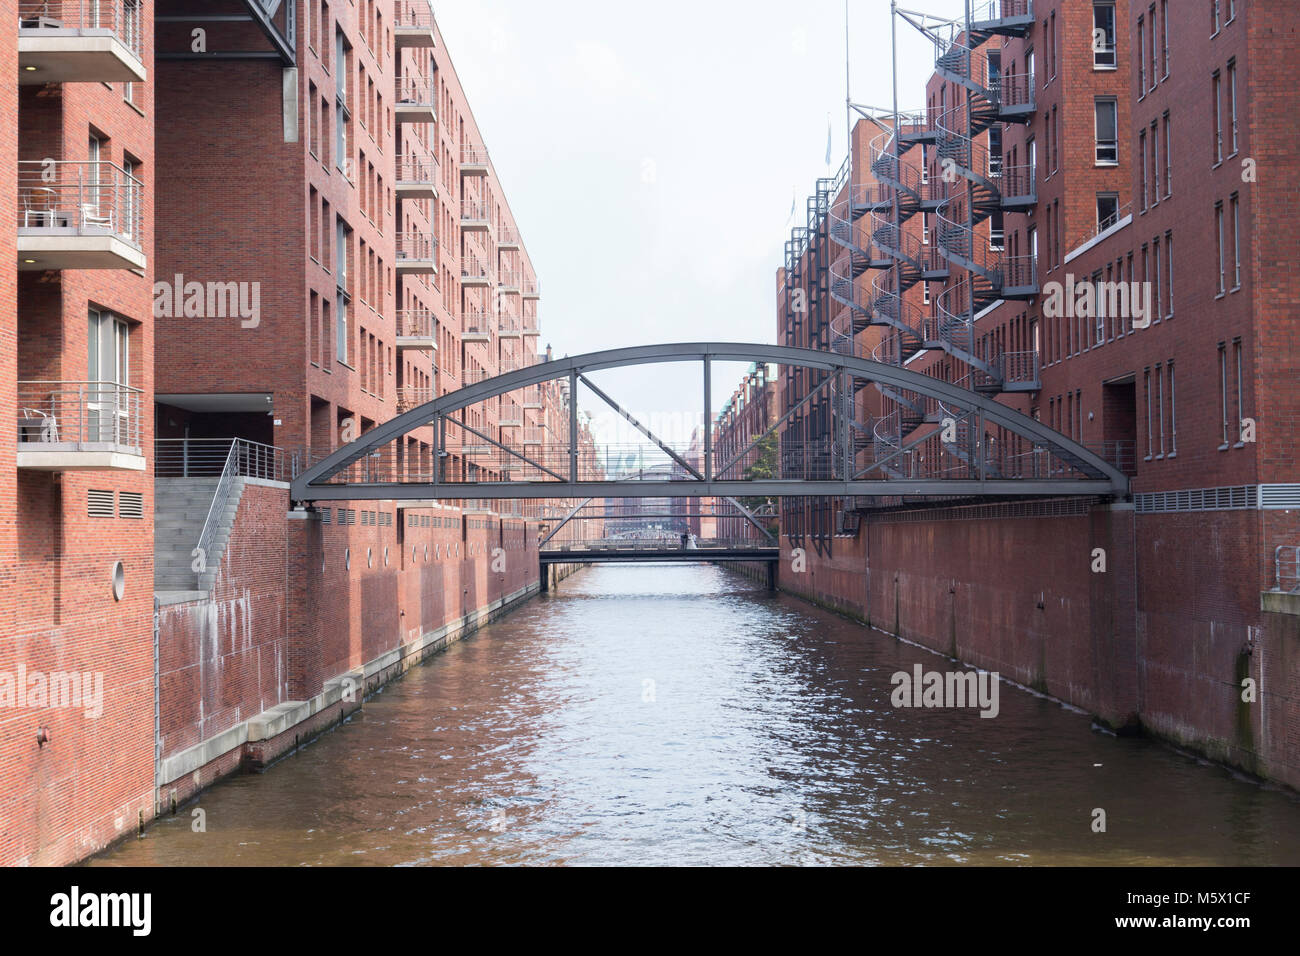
(90, 197)
(123, 20)
(78, 413)
(220, 500)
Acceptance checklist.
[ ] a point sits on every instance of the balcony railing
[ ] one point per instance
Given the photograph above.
(510, 281)
(474, 210)
(472, 376)
(508, 236)
(412, 169)
(531, 288)
(80, 198)
(416, 324)
(409, 398)
(414, 88)
(409, 14)
(477, 324)
(79, 416)
(416, 246)
(473, 155)
(473, 269)
(122, 19)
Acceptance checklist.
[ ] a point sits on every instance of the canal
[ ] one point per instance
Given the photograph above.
(682, 715)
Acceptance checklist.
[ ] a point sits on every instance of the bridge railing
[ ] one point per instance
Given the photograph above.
(671, 542)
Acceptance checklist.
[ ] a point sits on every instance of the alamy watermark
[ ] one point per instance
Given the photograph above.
(952, 689)
(208, 300)
(57, 689)
(1099, 299)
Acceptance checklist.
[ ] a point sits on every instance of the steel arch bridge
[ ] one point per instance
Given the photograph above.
(971, 445)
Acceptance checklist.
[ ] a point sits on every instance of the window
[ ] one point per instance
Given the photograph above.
(1214, 17)
(1103, 36)
(1223, 391)
(997, 233)
(1155, 75)
(1155, 272)
(1241, 394)
(1142, 165)
(1142, 57)
(1232, 103)
(1155, 163)
(1160, 410)
(1107, 210)
(1146, 388)
(1232, 10)
(1169, 160)
(1164, 36)
(1100, 330)
(1218, 223)
(1173, 413)
(108, 364)
(1216, 103)
(1107, 132)
(1236, 242)
(1169, 273)
(343, 297)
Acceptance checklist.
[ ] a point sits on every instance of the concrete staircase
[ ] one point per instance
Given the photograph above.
(181, 507)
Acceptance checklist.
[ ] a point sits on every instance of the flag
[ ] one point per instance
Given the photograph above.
(828, 139)
(794, 197)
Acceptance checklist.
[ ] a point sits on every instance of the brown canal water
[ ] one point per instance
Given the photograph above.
(682, 715)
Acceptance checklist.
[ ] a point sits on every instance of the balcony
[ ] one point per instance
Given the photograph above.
(410, 398)
(528, 325)
(531, 288)
(79, 216)
(534, 436)
(474, 273)
(508, 327)
(413, 25)
(477, 328)
(80, 41)
(509, 283)
(414, 100)
(475, 215)
(417, 178)
(417, 329)
(472, 376)
(473, 161)
(79, 426)
(417, 254)
(508, 240)
(512, 416)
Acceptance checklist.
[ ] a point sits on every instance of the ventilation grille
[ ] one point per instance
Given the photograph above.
(326, 516)
(1231, 498)
(99, 504)
(1279, 497)
(130, 504)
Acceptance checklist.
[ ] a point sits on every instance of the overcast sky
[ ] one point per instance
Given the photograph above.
(650, 153)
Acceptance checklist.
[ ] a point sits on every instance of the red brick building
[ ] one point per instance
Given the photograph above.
(334, 249)
(1062, 144)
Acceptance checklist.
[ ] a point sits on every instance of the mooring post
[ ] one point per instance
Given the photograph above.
(771, 575)
(545, 576)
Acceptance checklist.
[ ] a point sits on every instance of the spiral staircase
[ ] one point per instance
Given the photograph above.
(870, 225)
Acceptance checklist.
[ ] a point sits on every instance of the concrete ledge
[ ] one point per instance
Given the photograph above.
(1279, 602)
(188, 761)
(179, 597)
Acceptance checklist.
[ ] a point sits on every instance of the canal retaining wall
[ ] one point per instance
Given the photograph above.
(309, 614)
(1166, 639)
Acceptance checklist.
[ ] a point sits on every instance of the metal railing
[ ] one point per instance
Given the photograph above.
(472, 376)
(77, 415)
(416, 324)
(416, 246)
(122, 18)
(208, 458)
(474, 210)
(473, 155)
(476, 323)
(509, 236)
(87, 198)
(1286, 568)
(472, 267)
(413, 169)
(413, 89)
(530, 286)
(509, 280)
(413, 13)
(409, 398)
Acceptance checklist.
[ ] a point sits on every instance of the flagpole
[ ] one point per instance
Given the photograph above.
(848, 109)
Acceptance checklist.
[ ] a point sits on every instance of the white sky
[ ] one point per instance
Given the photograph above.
(650, 153)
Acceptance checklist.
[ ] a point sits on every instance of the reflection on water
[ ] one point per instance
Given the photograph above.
(682, 715)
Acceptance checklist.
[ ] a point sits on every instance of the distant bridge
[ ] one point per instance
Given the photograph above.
(661, 551)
